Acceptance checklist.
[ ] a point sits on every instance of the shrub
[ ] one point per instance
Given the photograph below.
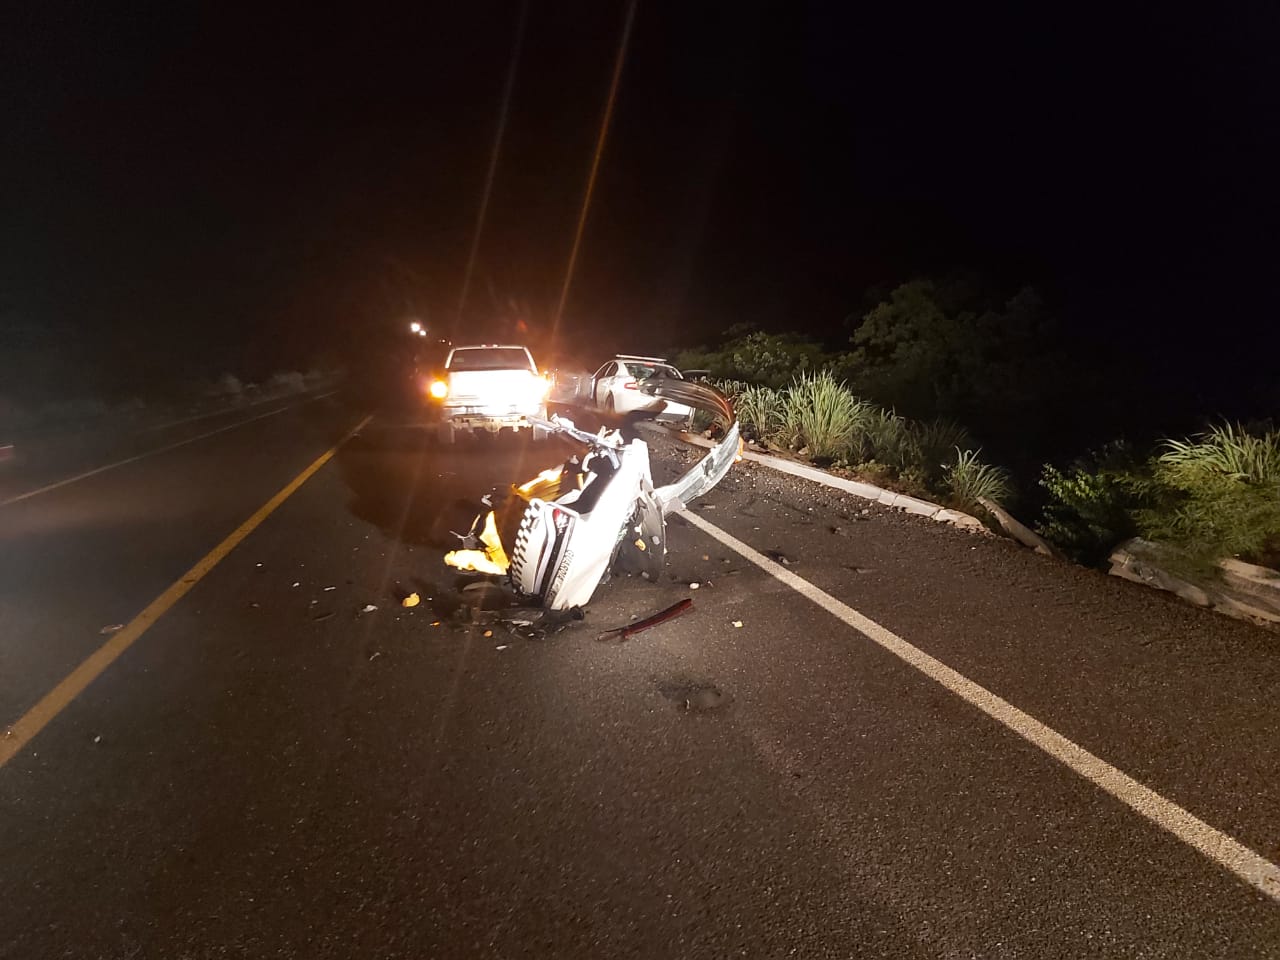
(769, 359)
(1092, 503)
(970, 480)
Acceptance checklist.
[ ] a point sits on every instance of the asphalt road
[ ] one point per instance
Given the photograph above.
(270, 771)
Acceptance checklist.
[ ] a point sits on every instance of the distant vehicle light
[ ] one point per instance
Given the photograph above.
(439, 389)
(416, 327)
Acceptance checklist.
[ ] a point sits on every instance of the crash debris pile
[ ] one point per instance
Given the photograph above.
(556, 536)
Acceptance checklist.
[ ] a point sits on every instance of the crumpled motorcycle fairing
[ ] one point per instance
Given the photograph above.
(563, 547)
(578, 522)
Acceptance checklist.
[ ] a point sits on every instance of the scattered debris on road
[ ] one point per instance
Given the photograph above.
(412, 600)
(737, 623)
(368, 608)
(110, 629)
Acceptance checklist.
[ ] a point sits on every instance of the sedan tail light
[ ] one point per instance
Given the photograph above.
(630, 385)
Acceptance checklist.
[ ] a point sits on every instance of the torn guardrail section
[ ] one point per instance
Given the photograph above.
(565, 528)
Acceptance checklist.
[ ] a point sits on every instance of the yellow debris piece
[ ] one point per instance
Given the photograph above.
(492, 559)
(545, 486)
(412, 600)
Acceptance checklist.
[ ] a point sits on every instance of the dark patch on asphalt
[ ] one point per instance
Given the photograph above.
(486, 595)
(694, 696)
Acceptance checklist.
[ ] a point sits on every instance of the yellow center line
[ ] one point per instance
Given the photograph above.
(71, 686)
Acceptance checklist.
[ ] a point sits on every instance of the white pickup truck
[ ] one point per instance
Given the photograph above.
(489, 387)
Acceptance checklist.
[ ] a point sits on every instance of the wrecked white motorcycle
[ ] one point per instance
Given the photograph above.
(556, 537)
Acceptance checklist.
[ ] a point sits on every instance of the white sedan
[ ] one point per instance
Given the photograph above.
(615, 388)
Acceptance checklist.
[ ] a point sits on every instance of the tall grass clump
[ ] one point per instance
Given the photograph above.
(761, 411)
(885, 438)
(821, 414)
(936, 445)
(1227, 452)
(1218, 495)
(970, 481)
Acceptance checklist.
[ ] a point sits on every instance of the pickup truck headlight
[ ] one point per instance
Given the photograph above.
(439, 389)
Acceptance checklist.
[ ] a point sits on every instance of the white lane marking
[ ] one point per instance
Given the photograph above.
(230, 410)
(1223, 850)
(142, 456)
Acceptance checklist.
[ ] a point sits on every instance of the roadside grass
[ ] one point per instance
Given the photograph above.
(1217, 495)
(822, 418)
(818, 418)
(1211, 496)
(971, 481)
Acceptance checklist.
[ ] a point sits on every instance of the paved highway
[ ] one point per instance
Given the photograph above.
(917, 743)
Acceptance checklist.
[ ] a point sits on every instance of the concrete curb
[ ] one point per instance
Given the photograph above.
(1245, 591)
(1020, 532)
(867, 491)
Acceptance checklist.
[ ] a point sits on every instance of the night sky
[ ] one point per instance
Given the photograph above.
(188, 188)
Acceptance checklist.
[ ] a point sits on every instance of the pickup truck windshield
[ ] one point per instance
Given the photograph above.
(491, 358)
